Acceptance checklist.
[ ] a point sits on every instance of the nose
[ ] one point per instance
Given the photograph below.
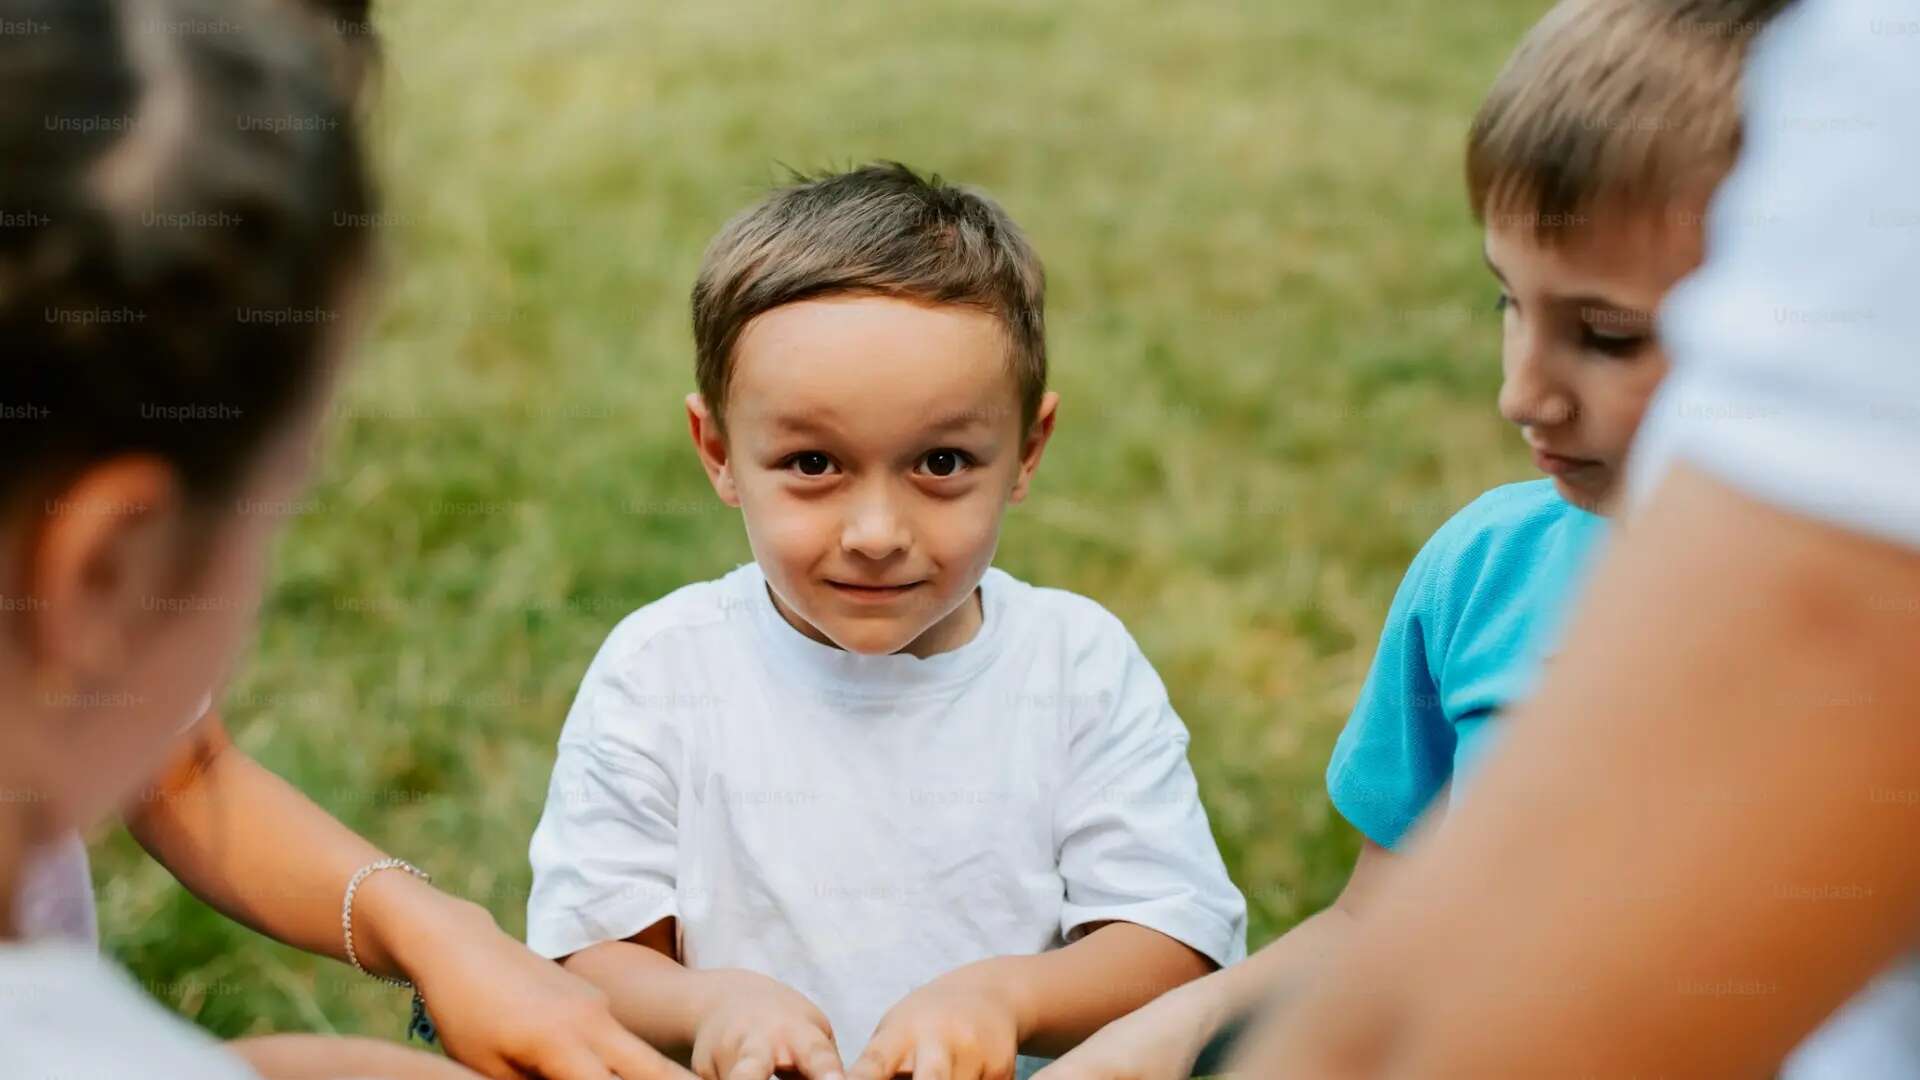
(874, 527)
(1531, 393)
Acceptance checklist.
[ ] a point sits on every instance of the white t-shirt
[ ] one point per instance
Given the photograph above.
(1796, 346)
(65, 1014)
(856, 826)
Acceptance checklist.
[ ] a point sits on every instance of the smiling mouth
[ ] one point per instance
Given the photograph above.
(875, 591)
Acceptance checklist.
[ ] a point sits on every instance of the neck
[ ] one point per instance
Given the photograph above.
(13, 856)
(950, 633)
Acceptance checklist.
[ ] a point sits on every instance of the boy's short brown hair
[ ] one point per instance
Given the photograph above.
(1630, 104)
(881, 229)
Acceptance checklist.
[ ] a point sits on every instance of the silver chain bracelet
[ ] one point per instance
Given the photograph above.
(346, 911)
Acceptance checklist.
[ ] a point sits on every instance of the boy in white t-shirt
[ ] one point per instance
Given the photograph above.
(869, 795)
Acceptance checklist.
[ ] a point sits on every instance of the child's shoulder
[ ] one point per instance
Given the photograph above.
(1061, 619)
(1507, 516)
(688, 612)
(1511, 534)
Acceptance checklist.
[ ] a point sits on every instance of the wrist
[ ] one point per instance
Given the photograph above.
(704, 993)
(402, 925)
(1207, 1004)
(1000, 980)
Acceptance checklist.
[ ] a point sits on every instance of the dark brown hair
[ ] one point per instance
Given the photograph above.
(881, 229)
(1631, 104)
(348, 25)
(179, 205)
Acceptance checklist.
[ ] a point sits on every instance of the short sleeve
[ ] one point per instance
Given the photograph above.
(1796, 346)
(1135, 844)
(1396, 753)
(605, 853)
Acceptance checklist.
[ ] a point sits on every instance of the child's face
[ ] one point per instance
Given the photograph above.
(1579, 354)
(873, 445)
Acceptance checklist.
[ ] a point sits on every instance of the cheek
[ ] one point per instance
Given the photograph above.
(784, 530)
(1618, 403)
(962, 533)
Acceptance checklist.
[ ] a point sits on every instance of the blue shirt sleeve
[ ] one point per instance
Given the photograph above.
(1396, 752)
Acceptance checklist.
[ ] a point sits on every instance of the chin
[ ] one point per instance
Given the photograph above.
(870, 641)
(1585, 498)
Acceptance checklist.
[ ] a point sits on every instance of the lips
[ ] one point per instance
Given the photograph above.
(873, 592)
(1560, 464)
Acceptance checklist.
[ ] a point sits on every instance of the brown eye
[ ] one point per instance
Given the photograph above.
(810, 463)
(945, 462)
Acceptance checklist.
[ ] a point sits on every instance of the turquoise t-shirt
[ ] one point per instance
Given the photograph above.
(1480, 607)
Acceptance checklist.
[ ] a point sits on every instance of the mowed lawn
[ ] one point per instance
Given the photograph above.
(1271, 332)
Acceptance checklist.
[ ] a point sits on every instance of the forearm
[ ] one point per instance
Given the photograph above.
(650, 993)
(315, 1057)
(1278, 971)
(1678, 861)
(1065, 995)
(252, 846)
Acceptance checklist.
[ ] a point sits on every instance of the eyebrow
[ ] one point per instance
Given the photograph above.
(809, 423)
(806, 423)
(960, 419)
(1582, 302)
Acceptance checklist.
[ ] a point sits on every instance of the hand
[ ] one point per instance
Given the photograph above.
(509, 1014)
(1161, 1041)
(961, 1026)
(753, 1025)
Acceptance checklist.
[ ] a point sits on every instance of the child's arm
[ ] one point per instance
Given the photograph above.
(974, 1020)
(722, 1022)
(1163, 1039)
(327, 1057)
(252, 846)
(1715, 744)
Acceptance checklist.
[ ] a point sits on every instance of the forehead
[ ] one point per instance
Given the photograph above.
(871, 366)
(1629, 256)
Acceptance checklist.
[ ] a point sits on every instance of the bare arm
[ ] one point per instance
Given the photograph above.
(1289, 962)
(648, 989)
(1162, 1040)
(724, 1022)
(1686, 856)
(251, 845)
(1067, 994)
(318, 1057)
(975, 1020)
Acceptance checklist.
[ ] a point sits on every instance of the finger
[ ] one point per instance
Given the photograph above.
(816, 1057)
(570, 1060)
(755, 1062)
(880, 1060)
(632, 1059)
(931, 1061)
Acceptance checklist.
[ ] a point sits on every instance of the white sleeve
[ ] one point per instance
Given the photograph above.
(1134, 842)
(64, 1012)
(1796, 346)
(605, 853)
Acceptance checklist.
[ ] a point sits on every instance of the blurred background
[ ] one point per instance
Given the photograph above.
(1271, 331)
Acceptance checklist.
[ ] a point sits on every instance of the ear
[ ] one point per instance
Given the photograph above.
(107, 546)
(1035, 445)
(711, 444)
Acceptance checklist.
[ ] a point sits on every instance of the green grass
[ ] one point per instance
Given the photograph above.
(1270, 331)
